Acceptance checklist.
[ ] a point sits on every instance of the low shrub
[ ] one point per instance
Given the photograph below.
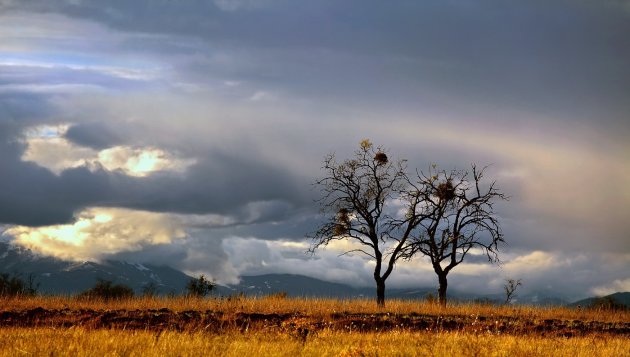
(607, 303)
(107, 290)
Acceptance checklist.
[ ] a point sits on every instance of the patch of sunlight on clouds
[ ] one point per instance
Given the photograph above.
(346, 245)
(539, 262)
(619, 285)
(140, 162)
(534, 261)
(48, 148)
(292, 245)
(98, 232)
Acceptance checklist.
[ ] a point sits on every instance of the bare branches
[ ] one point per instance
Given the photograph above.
(356, 195)
(457, 217)
(510, 289)
(445, 215)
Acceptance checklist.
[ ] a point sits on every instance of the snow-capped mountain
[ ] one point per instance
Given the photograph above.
(56, 276)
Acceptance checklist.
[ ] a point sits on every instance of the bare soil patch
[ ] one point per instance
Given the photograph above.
(300, 324)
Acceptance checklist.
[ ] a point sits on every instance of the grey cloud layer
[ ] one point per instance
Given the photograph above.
(559, 57)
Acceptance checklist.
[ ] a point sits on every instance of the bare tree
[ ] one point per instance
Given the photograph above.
(358, 196)
(510, 289)
(457, 216)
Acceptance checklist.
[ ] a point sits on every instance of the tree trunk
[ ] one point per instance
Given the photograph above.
(442, 289)
(380, 292)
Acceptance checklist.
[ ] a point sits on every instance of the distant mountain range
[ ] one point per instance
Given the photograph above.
(620, 298)
(56, 276)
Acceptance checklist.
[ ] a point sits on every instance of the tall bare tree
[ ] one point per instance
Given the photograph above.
(357, 200)
(457, 216)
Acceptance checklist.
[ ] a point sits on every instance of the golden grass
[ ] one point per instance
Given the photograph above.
(84, 342)
(315, 307)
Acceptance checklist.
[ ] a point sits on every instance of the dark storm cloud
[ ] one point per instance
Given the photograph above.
(567, 57)
(18, 110)
(96, 135)
(220, 183)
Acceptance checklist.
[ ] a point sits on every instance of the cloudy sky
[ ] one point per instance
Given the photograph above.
(189, 132)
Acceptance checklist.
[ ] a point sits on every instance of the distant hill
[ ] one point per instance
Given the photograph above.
(56, 276)
(621, 298)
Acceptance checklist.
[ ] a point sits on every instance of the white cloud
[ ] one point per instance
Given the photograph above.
(139, 162)
(99, 232)
(260, 96)
(619, 285)
(536, 261)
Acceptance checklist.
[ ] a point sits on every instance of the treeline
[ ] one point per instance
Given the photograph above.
(17, 286)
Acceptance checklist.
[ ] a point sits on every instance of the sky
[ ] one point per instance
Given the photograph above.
(190, 133)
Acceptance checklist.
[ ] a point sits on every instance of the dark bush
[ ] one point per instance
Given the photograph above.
(199, 286)
(281, 295)
(107, 290)
(15, 286)
(607, 303)
(485, 301)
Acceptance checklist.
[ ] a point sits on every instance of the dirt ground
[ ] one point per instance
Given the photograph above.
(218, 322)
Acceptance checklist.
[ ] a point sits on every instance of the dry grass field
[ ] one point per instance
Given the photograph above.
(294, 327)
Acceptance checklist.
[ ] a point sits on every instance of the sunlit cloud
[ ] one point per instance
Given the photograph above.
(99, 232)
(48, 148)
(140, 162)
